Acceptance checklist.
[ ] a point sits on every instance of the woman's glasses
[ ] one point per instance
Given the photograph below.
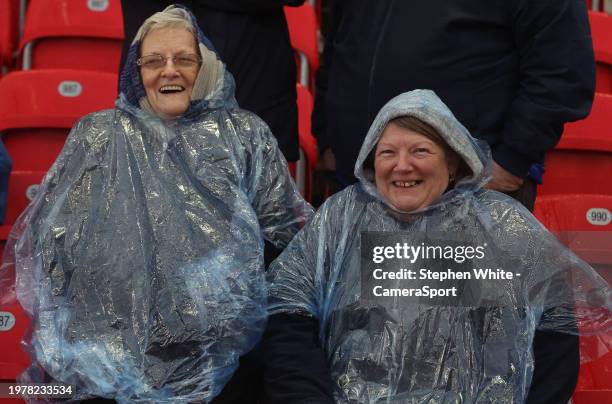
(156, 62)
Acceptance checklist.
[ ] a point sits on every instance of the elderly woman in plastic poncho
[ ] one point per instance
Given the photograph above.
(448, 332)
(141, 260)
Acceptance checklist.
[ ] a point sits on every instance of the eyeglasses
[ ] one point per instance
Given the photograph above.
(156, 61)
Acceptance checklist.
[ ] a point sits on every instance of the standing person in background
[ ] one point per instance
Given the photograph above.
(513, 72)
(252, 38)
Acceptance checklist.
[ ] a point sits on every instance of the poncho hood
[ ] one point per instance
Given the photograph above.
(214, 86)
(426, 106)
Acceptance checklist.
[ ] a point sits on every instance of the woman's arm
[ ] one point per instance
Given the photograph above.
(295, 369)
(280, 208)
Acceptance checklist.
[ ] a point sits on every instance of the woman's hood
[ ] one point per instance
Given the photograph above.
(426, 106)
(214, 86)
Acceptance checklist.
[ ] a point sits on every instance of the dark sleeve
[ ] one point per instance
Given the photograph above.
(295, 369)
(556, 352)
(556, 365)
(557, 71)
(319, 112)
(249, 6)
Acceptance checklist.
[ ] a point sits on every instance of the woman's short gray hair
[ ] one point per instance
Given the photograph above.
(171, 17)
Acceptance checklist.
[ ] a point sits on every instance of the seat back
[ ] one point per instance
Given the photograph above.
(14, 323)
(73, 34)
(9, 32)
(303, 28)
(584, 224)
(37, 110)
(582, 161)
(592, 397)
(601, 32)
(53, 98)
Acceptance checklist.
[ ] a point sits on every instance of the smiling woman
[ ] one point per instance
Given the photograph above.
(168, 68)
(412, 164)
(141, 258)
(339, 333)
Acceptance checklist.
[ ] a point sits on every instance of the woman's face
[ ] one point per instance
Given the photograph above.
(169, 87)
(411, 170)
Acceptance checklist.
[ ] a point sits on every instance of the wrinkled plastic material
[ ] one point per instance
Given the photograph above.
(407, 350)
(141, 258)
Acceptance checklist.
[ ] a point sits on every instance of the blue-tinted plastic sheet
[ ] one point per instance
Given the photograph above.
(141, 258)
(473, 349)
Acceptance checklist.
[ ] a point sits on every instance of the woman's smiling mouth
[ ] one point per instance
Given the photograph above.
(169, 89)
(406, 184)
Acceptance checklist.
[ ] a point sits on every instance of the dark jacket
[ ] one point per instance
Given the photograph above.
(251, 37)
(513, 72)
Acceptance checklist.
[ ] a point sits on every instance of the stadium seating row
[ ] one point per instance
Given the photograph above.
(575, 200)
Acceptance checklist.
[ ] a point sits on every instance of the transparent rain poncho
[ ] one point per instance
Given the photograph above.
(473, 348)
(141, 258)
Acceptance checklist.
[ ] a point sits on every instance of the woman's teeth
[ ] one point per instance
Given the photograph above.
(406, 184)
(170, 89)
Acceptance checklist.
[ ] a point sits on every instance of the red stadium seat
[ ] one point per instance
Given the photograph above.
(582, 161)
(601, 32)
(303, 28)
(13, 326)
(37, 109)
(73, 34)
(308, 144)
(318, 6)
(22, 189)
(584, 224)
(592, 397)
(9, 32)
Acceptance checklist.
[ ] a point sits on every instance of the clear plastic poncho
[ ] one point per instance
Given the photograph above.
(412, 348)
(141, 258)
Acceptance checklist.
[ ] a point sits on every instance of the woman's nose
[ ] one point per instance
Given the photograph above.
(169, 68)
(404, 162)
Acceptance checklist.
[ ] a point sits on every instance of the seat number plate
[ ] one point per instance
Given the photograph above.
(97, 5)
(7, 321)
(599, 216)
(70, 88)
